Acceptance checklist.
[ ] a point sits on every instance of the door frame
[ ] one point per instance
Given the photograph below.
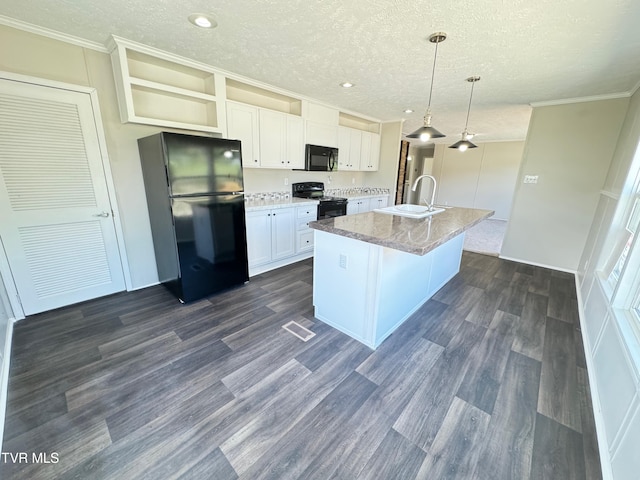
(5, 270)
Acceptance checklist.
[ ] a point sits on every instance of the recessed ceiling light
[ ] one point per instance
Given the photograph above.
(408, 110)
(203, 20)
(347, 85)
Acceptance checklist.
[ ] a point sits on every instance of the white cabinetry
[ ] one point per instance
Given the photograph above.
(157, 88)
(304, 234)
(362, 205)
(242, 124)
(370, 152)
(379, 202)
(358, 150)
(358, 205)
(321, 134)
(294, 151)
(349, 148)
(270, 139)
(321, 124)
(270, 235)
(273, 138)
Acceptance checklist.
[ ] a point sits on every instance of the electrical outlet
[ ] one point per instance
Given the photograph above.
(343, 261)
(353, 181)
(286, 181)
(531, 179)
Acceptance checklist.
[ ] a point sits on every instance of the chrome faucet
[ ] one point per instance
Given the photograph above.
(433, 193)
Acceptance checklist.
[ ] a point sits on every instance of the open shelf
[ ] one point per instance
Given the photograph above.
(259, 97)
(359, 123)
(155, 88)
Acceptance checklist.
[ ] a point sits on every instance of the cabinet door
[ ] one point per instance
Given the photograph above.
(273, 136)
(379, 202)
(374, 156)
(344, 143)
(242, 124)
(321, 134)
(365, 151)
(364, 205)
(282, 233)
(355, 149)
(294, 156)
(258, 237)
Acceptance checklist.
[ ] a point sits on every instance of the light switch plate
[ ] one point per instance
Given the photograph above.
(531, 179)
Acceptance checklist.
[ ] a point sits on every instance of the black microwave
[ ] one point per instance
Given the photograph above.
(320, 159)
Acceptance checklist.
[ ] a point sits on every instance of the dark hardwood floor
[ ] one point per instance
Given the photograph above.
(486, 381)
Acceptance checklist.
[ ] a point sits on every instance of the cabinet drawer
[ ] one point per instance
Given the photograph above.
(303, 224)
(308, 212)
(304, 241)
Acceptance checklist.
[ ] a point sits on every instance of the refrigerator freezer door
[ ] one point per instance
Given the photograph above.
(211, 239)
(202, 165)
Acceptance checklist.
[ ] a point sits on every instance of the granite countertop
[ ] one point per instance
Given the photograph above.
(269, 204)
(417, 236)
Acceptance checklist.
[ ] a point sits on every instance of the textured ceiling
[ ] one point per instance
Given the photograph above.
(525, 51)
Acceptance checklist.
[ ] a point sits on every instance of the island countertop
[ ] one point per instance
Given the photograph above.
(417, 236)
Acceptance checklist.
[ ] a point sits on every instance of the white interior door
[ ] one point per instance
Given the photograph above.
(57, 224)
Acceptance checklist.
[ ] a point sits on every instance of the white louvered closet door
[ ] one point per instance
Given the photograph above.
(57, 227)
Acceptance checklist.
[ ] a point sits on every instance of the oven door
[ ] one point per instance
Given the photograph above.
(331, 209)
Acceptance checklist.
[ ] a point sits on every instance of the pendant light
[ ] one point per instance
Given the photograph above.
(427, 132)
(464, 144)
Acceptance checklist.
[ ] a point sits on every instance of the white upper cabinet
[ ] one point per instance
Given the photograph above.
(294, 152)
(158, 88)
(273, 138)
(358, 150)
(242, 124)
(321, 124)
(321, 134)
(370, 152)
(269, 139)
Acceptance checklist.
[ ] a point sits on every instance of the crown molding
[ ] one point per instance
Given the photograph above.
(63, 37)
(595, 98)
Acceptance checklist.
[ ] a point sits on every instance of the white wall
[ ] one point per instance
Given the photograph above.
(610, 345)
(570, 148)
(483, 177)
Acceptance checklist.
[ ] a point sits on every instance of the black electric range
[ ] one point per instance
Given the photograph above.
(328, 206)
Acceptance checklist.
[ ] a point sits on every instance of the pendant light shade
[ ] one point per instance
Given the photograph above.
(427, 132)
(464, 143)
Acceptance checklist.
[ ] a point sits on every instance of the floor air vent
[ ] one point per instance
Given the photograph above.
(299, 331)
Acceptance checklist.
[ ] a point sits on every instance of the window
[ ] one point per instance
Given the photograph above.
(623, 244)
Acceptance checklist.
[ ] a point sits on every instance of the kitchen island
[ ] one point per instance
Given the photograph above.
(372, 271)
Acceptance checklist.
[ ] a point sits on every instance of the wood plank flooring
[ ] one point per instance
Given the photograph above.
(486, 381)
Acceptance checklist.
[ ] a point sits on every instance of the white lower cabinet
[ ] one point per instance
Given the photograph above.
(379, 202)
(358, 205)
(367, 204)
(279, 236)
(304, 234)
(270, 235)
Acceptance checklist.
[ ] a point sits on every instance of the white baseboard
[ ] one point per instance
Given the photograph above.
(4, 373)
(603, 444)
(535, 264)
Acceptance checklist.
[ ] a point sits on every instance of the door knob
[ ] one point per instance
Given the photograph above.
(101, 214)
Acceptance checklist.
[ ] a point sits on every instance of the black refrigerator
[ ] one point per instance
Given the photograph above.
(195, 198)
